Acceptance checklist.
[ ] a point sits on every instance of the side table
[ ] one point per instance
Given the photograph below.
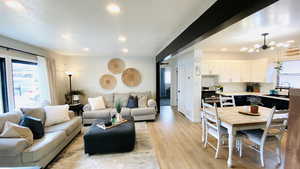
(77, 108)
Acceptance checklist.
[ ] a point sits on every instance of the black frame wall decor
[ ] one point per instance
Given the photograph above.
(222, 14)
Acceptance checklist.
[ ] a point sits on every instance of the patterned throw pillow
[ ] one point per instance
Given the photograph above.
(142, 101)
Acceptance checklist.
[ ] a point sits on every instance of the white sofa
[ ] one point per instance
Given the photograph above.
(139, 114)
(16, 152)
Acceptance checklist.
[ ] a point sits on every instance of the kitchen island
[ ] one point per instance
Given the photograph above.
(241, 99)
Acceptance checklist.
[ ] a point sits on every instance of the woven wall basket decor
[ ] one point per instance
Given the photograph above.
(131, 77)
(116, 66)
(108, 82)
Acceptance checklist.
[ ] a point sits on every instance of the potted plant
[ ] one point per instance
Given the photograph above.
(255, 102)
(118, 106)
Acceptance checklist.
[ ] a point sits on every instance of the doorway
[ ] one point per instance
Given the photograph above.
(165, 85)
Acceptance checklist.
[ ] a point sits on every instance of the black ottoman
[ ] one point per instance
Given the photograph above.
(117, 139)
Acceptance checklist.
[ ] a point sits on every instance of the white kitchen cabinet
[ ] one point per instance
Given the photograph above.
(245, 73)
(257, 70)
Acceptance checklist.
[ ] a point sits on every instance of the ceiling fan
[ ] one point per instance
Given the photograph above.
(265, 46)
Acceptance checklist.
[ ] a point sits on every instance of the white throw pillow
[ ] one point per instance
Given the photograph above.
(56, 114)
(12, 130)
(97, 103)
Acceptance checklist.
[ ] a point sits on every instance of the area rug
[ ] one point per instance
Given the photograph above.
(142, 157)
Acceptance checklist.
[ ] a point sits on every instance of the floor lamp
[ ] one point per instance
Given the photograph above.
(70, 83)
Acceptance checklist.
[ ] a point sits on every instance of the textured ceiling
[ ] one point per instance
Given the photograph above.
(149, 25)
(281, 20)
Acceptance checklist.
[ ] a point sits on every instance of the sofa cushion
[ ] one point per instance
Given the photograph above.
(123, 97)
(34, 124)
(108, 100)
(35, 112)
(143, 111)
(148, 94)
(43, 146)
(12, 146)
(56, 114)
(13, 130)
(142, 101)
(132, 102)
(68, 126)
(96, 103)
(12, 117)
(104, 113)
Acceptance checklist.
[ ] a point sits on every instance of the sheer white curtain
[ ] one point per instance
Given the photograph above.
(46, 70)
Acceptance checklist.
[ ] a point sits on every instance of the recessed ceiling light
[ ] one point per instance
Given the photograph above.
(86, 49)
(291, 41)
(257, 50)
(272, 48)
(14, 4)
(224, 49)
(125, 50)
(243, 49)
(113, 8)
(66, 36)
(122, 38)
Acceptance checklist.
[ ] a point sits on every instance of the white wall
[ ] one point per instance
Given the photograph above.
(189, 84)
(88, 70)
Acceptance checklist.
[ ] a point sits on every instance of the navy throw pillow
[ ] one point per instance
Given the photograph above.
(132, 102)
(34, 124)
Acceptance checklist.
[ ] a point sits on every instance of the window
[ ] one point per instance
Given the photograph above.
(3, 90)
(25, 84)
(167, 76)
(290, 74)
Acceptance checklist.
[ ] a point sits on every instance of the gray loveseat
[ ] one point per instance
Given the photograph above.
(17, 152)
(147, 112)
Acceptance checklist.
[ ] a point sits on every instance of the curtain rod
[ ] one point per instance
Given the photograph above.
(18, 50)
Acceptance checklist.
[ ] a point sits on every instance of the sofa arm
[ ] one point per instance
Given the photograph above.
(152, 103)
(87, 107)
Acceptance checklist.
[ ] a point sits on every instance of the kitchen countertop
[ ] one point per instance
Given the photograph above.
(251, 94)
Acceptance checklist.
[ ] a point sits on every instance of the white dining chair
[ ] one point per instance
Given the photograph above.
(273, 132)
(227, 101)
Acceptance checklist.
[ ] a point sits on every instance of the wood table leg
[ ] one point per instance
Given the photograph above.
(231, 141)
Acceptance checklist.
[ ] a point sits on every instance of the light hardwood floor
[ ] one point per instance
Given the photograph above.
(177, 143)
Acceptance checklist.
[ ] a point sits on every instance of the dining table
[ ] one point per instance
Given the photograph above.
(234, 121)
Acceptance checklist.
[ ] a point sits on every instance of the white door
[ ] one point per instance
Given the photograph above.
(185, 87)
